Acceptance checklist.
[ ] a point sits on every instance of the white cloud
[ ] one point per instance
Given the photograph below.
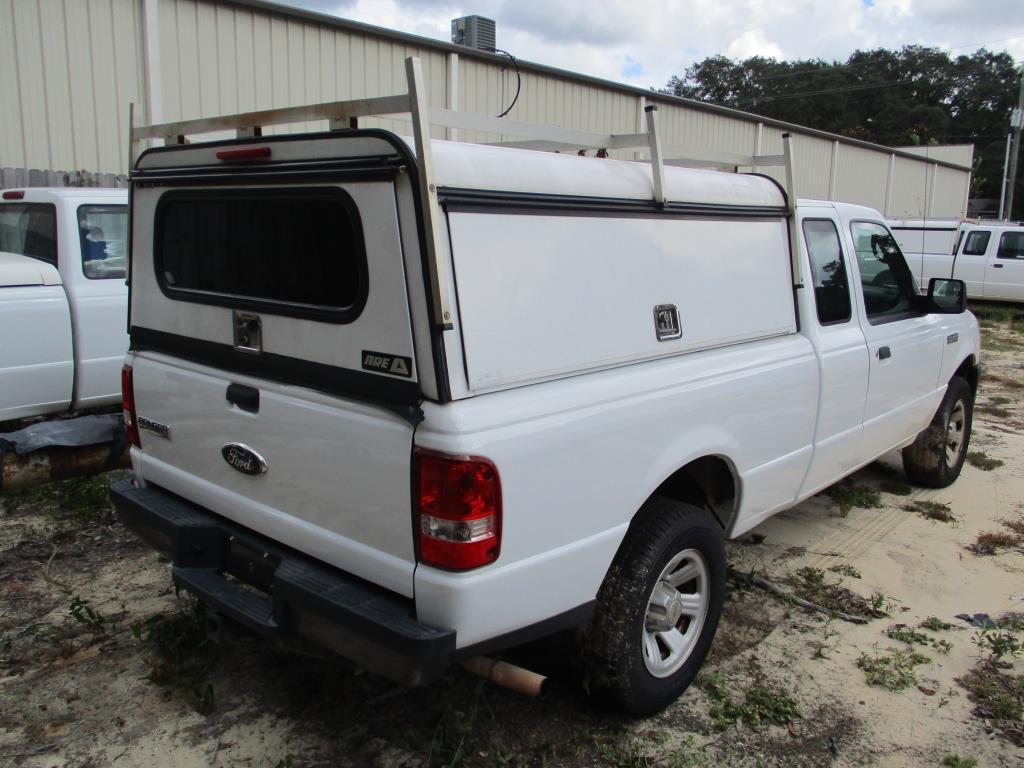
(644, 42)
(753, 43)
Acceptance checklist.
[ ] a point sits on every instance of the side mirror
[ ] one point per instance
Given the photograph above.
(946, 297)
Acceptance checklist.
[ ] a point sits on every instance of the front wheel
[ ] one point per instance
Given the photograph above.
(657, 610)
(935, 459)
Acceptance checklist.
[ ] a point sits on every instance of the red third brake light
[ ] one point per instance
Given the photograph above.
(246, 153)
(457, 510)
(131, 424)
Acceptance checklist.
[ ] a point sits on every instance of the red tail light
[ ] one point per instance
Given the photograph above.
(131, 424)
(457, 510)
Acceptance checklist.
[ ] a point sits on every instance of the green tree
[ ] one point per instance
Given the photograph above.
(911, 97)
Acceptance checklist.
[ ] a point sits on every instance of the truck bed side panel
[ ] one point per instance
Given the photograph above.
(579, 456)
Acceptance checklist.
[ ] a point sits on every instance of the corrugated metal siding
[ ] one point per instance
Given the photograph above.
(70, 68)
(910, 189)
(68, 71)
(862, 177)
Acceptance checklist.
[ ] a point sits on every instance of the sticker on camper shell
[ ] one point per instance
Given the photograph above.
(396, 365)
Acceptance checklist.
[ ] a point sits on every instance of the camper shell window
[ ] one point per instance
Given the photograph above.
(296, 252)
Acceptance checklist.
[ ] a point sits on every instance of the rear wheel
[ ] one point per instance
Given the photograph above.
(935, 459)
(657, 610)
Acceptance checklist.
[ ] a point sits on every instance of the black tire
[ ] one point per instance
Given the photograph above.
(927, 461)
(611, 647)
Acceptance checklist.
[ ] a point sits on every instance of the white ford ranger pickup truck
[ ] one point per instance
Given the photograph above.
(63, 299)
(617, 386)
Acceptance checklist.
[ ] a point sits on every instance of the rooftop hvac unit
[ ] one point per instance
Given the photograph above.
(474, 32)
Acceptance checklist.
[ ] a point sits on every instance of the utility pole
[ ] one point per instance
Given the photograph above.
(1017, 126)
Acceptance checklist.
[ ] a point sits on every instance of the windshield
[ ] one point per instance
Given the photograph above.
(29, 229)
(103, 230)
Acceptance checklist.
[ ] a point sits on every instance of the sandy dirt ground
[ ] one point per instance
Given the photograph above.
(101, 664)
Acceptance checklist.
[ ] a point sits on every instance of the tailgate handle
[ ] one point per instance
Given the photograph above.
(246, 398)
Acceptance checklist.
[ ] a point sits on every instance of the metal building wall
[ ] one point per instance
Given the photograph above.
(69, 68)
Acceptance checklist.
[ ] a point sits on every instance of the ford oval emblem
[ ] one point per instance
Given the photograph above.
(244, 459)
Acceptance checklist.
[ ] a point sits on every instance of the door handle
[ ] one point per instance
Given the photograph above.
(884, 353)
(997, 266)
(245, 397)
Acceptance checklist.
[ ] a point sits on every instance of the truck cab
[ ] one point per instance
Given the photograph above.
(81, 235)
(990, 260)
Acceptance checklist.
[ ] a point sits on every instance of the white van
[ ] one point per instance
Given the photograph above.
(987, 256)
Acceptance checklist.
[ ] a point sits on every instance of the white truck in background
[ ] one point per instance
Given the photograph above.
(428, 400)
(63, 299)
(987, 256)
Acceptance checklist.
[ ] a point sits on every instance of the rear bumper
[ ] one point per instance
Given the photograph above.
(299, 599)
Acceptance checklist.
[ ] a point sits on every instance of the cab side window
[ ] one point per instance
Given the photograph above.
(885, 278)
(831, 290)
(1011, 245)
(977, 243)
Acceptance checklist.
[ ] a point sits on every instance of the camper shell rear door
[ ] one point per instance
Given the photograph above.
(276, 377)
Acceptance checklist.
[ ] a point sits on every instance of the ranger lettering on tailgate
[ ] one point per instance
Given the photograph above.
(393, 364)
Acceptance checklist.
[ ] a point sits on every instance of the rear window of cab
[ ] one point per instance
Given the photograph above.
(297, 252)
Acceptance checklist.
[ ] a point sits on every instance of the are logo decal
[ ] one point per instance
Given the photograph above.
(396, 365)
(244, 459)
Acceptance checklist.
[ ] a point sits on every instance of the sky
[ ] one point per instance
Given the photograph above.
(645, 42)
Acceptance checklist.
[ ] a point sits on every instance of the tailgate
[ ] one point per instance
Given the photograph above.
(275, 375)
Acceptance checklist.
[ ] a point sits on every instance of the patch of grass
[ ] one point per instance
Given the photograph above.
(893, 670)
(998, 698)
(82, 502)
(999, 400)
(812, 584)
(1010, 382)
(983, 461)
(905, 634)
(849, 495)
(935, 624)
(896, 487)
(760, 704)
(1017, 526)
(845, 569)
(990, 542)
(955, 761)
(932, 510)
(182, 654)
(995, 410)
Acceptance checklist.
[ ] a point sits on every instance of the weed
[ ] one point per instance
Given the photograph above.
(935, 624)
(183, 653)
(1017, 526)
(761, 704)
(990, 542)
(998, 641)
(82, 612)
(983, 461)
(821, 647)
(894, 670)
(896, 487)
(285, 762)
(932, 510)
(812, 584)
(999, 400)
(955, 761)
(849, 495)
(998, 698)
(845, 569)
